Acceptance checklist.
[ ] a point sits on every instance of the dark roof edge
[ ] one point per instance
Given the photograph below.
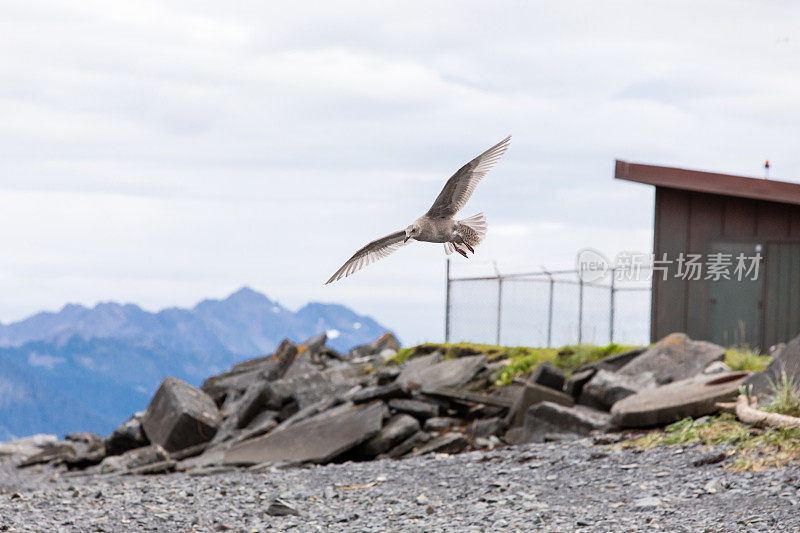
(709, 182)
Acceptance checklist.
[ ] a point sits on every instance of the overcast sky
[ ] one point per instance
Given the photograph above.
(164, 152)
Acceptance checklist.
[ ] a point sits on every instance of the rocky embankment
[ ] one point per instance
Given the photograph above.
(309, 438)
(310, 404)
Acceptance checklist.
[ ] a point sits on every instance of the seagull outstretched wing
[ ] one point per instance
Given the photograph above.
(377, 249)
(461, 185)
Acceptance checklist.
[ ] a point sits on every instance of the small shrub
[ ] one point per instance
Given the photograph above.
(786, 396)
(744, 358)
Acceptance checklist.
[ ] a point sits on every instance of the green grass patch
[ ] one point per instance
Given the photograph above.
(521, 359)
(744, 358)
(751, 448)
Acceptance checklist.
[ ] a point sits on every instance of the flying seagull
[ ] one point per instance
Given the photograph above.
(438, 225)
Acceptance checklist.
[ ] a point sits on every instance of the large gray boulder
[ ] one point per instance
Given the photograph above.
(180, 416)
(547, 417)
(675, 357)
(607, 388)
(692, 397)
(786, 359)
(318, 439)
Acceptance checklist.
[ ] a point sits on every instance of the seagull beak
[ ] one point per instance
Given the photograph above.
(406, 239)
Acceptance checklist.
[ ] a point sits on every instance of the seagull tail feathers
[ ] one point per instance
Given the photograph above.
(478, 225)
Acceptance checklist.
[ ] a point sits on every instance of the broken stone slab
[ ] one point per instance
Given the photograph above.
(318, 439)
(786, 359)
(241, 412)
(180, 416)
(548, 375)
(407, 446)
(280, 507)
(346, 373)
(607, 388)
(264, 422)
(28, 446)
(398, 429)
(284, 355)
(77, 450)
(575, 383)
(325, 405)
(379, 392)
(413, 369)
(445, 443)
(692, 397)
(548, 417)
(485, 428)
(387, 341)
(212, 456)
(675, 357)
(440, 423)
(531, 394)
(717, 367)
(191, 451)
(386, 374)
(55, 454)
(469, 397)
(449, 373)
(305, 389)
(128, 436)
(614, 362)
(88, 449)
(132, 459)
(160, 467)
(242, 375)
(416, 408)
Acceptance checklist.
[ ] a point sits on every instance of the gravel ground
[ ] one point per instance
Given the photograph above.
(575, 486)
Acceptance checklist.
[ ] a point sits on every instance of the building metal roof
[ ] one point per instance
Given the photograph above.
(709, 182)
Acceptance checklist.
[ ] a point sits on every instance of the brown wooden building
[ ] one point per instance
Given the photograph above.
(704, 213)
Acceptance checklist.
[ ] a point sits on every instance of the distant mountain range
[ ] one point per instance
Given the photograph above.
(88, 369)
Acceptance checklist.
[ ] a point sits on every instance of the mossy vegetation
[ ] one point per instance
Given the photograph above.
(744, 358)
(750, 448)
(521, 359)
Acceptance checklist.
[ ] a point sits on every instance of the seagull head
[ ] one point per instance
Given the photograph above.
(411, 232)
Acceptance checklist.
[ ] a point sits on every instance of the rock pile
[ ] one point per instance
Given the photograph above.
(307, 403)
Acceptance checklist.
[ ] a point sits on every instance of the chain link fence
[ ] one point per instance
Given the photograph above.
(547, 309)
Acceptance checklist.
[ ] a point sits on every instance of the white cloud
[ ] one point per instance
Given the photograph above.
(44, 360)
(168, 152)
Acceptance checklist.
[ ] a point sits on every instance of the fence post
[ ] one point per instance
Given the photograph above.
(550, 311)
(612, 308)
(580, 310)
(447, 303)
(499, 302)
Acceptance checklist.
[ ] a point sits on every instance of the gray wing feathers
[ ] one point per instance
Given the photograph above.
(459, 188)
(377, 249)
